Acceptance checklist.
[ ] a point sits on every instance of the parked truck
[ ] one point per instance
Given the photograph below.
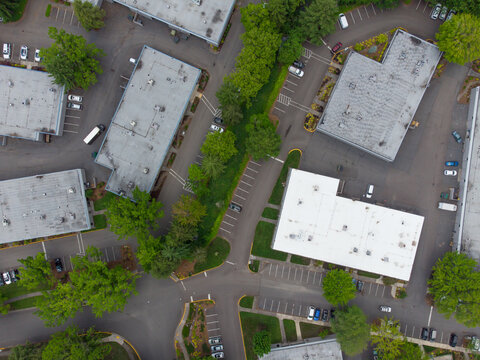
(447, 206)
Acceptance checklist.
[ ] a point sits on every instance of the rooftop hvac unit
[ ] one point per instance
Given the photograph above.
(71, 190)
(133, 123)
(151, 81)
(355, 250)
(26, 102)
(121, 192)
(369, 252)
(146, 170)
(10, 83)
(197, 2)
(71, 216)
(5, 222)
(59, 220)
(130, 185)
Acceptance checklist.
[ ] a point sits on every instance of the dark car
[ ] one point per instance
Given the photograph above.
(332, 313)
(336, 47)
(451, 163)
(235, 207)
(424, 334)
(360, 284)
(298, 64)
(218, 120)
(1, 281)
(58, 264)
(316, 316)
(325, 315)
(453, 340)
(450, 14)
(101, 127)
(456, 136)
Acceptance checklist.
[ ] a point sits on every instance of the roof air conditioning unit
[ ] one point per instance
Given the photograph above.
(26, 102)
(369, 252)
(71, 190)
(5, 222)
(146, 170)
(10, 83)
(355, 250)
(197, 2)
(151, 81)
(133, 123)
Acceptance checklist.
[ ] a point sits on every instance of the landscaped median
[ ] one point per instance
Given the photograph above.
(262, 243)
(252, 323)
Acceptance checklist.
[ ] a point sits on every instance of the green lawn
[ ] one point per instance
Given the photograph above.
(117, 353)
(252, 323)
(310, 330)
(263, 239)
(14, 290)
(270, 213)
(429, 349)
(290, 330)
(292, 161)
(300, 260)
(101, 204)
(254, 265)
(217, 252)
(100, 221)
(367, 274)
(25, 303)
(247, 302)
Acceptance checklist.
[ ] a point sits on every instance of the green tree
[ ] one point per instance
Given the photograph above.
(36, 272)
(188, 211)
(231, 113)
(459, 38)
(255, 16)
(212, 166)
(386, 4)
(8, 8)
(262, 342)
(455, 287)
(352, 329)
(130, 218)
(411, 351)
(26, 352)
(228, 93)
(338, 287)
(282, 12)
(262, 139)
(89, 15)
(220, 145)
(58, 305)
(388, 339)
(102, 288)
(72, 345)
(319, 19)
(70, 60)
(148, 251)
(197, 180)
(291, 49)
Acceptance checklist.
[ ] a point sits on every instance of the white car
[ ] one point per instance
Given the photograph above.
(37, 55)
(450, 172)
(436, 11)
(214, 128)
(311, 312)
(75, 98)
(218, 355)
(24, 52)
(295, 71)
(385, 308)
(6, 278)
(7, 51)
(215, 340)
(74, 106)
(369, 192)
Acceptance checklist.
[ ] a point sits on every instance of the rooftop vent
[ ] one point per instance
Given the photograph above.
(315, 188)
(52, 90)
(300, 202)
(59, 220)
(10, 83)
(133, 123)
(402, 56)
(151, 81)
(11, 104)
(345, 227)
(401, 244)
(71, 190)
(355, 250)
(310, 237)
(131, 185)
(197, 2)
(369, 252)
(352, 86)
(385, 259)
(26, 102)
(43, 217)
(5, 222)
(146, 170)
(292, 236)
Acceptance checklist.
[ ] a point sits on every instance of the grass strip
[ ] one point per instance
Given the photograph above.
(246, 302)
(300, 260)
(270, 213)
(102, 203)
(217, 252)
(18, 13)
(290, 330)
(48, 10)
(14, 290)
(368, 274)
(309, 330)
(292, 161)
(262, 242)
(254, 265)
(100, 221)
(25, 303)
(252, 323)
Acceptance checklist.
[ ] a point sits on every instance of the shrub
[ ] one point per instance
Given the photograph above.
(401, 293)
(49, 10)
(358, 47)
(186, 331)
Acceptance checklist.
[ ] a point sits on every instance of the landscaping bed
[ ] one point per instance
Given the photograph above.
(367, 274)
(290, 330)
(311, 330)
(300, 260)
(253, 266)
(246, 302)
(117, 352)
(270, 213)
(100, 221)
(195, 334)
(263, 240)
(469, 83)
(253, 323)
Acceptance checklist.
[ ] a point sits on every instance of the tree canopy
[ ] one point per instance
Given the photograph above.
(188, 211)
(220, 145)
(26, 352)
(455, 287)
(318, 19)
(459, 38)
(58, 305)
(36, 272)
(262, 342)
(130, 218)
(8, 8)
(461, 6)
(338, 287)
(352, 329)
(388, 340)
(291, 49)
(282, 13)
(70, 60)
(262, 139)
(411, 351)
(89, 15)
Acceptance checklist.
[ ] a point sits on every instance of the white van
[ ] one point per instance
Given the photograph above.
(342, 19)
(6, 51)
(92, 135)
(369, 192)
(447, 206)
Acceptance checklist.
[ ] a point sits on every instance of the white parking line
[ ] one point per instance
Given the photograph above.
(255, 171)
(374, 10)
(289, 268)
(291, 82)
(352, 18)
(71, 124)
(246, 183)
(68, 131)
(73, 116)
(71, 19)
(240, 197)
(231, 217)
(405, 332)
(370, 289)
(278, 307)
(225, 230)
(383, 292)
(271, 306)
(358, 10)
(239, 188)
(285, 88)
(224, 222)
(286, 304)
(212, 322)
(413, 331)
(295, 277)
(274, 158)
(366, 12)
(270, 270)
(430, 316)
(283, 111)
(276, 269)
(419, 1)
(211, 315)
(320, 280)
(441, 337)
(184, 288)
(301, 276)
(308, 275)
(283, 268)
(255, 163)
(377, 289)
(426, 3)
(213, 329)
(249, 176)
(299, 310)
(314, 274)
(264, 303)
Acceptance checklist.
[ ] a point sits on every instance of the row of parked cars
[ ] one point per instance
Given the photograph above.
(7, 52)
(441, 12)
(316, 314)
(75, 102)
(9, 277)
(216, 347)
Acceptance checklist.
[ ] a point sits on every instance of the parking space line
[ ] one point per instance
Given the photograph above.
(71, 124)
(308, 275)
(283, 111)
(301, 276)
(276, 269)
(73, 116)
(249, 176)
(419, 1)
(246, 183)
(320, 280)
(255, 163)
(224, 222)
(377, 289)
(58, 10)
(212, 322)
(283, 268)
(211, 315)
(366, 12)
(225, 230)
(106, 254)
(373, 9)
(64, 16)
(286, 304)
(255, 171)
(314, 274)
(289, 268)
(293, 307)
(213, 329)
(239, 188)
(413, 331)
(240, 197)
(405, 332)
(430, 316)
(441, 337)
(426, 3)
(278, 307)
(71, 19)
(352, 18)
(285, 88)
(264, 303)
(271, 306)
(383, 292)
(68, 131)
(370, 289)
(295, 277)
(358, 10)
(231, 217)
(300, 310)
(270, 270)
(291, 82)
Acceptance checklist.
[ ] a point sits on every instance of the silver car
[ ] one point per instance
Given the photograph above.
(436, 11)
(24, 52)
(443, 13)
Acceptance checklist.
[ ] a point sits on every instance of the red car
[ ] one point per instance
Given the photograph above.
(337, 47)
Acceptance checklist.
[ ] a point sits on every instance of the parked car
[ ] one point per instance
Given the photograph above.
(324, 315)
(58, 265)
(342, 19)
(316, 316)
(443, 13)
(37, 55)
(336, 47)
(369, 192)
(74, 106)
(453, 340)
(436, 11)
(332, 313)
(218, 355)
(424, 334)
(76, 98)
(432, 336)
(6, 278)
(1, 281)
(451, 163)
(7, 51)
(298, 64)
(215, 340)
(295, 71)
(218, 120)
(456, 136)
(216, 348)
(385, 308)
(24, 52)
(450, 172)
(311, 312)
(235, 207)
(13, 276)
(360, 284)
(450, 14)
(214, 128)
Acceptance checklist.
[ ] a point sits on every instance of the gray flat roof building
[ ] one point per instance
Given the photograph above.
(30, 104)
(206, 19)
(146, 121)
(372, 104)
(43, 205)
(328, 349)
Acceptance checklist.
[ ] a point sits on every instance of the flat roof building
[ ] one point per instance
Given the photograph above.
(206, 19)
(317, 223)
(146, 121)
(372, 104)
(43, 205)
(30, 104)
(328, 349)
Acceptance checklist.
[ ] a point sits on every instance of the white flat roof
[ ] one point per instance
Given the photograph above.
(328, 349)
(146, 120)
(207, 20)
(316, 223)
(43, 205)
(30, 103)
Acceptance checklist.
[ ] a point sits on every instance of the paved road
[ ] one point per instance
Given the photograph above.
(149, 320)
